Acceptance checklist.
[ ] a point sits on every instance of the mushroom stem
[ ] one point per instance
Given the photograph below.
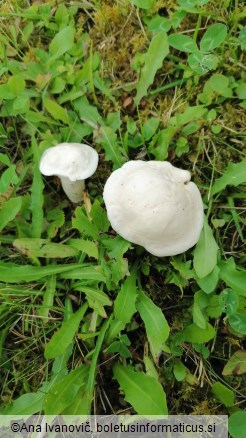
(73, 189)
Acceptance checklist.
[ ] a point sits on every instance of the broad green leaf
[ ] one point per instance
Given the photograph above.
(179, 370)
(16, 85)
(219, 83)
(223, 394)
(199, 306)
(114, 329)
(196, 334)
(205, 252)
(27, 404)
(8, 177)
(86, 246)
(143, 4)
(62, 42)
(156, 326)
(236, 365)
(106, 136)
(125, 303)
(236, 424)
(65, 390)
(63, 337)
(11, 273)
(234, 175)
(190, 114)
(88, 113)
(238, 321)
(150, 367)
(153, 59)
(202, 63)
(56, 110)
(9, 210)
(182, 42)
(233, 277)
(150, 127)
(99, 217)
(83, 272)
(4, 157)
(160, 148)
(242, 37)
(228, 300)
(56, 219)
(143, 392)
(208, 284)
(80, 405)
(84, 225)
(117, 247)
(213, 37)
(241, 91)
(37, 198)
(97, 299)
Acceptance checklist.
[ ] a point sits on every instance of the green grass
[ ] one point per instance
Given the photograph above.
(160, 82)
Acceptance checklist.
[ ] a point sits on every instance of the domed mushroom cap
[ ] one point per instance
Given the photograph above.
(154, 204)
(71, 160)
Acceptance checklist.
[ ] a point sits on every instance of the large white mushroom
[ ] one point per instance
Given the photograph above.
(154, 204)
(73, 163)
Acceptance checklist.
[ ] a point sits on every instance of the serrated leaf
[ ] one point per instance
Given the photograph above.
(213, 37)
(65, 390)
(84, 225)
(56, 110)
(125, 303)
(62, 42)
(205, 252)
(9, 210)
(156, 326)
(39, 248)
(99, 217)
(236, 365)
(157, 51)
(234, 175)
(143, 392)
(182, 42)
(63, 337)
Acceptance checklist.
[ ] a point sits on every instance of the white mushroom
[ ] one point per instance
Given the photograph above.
(72, 162)
(155, 205)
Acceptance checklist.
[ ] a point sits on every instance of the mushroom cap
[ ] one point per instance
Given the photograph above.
(71, 160)
(154, 204)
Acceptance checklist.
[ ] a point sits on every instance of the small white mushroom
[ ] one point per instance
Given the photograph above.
(154, 204)
(73, 163)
